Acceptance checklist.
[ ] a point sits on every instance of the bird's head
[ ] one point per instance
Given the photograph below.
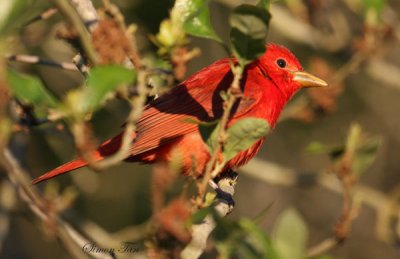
(283, 68)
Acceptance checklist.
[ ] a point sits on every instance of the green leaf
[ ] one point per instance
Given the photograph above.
(317, 148)
(30, 90)
(171, 34)
(290, 235)
(335, 152)
(103, 80)
(363, 150)
(248, 33)
(243, 134)
(266, 4)
(208, 132)
(243, 239)
(376, 5)
(257, 238)
(366, 154)
(197, 22)
(224, 229)
(200, 215)
(246, 250)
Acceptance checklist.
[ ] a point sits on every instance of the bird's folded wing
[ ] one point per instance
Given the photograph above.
(166, 118)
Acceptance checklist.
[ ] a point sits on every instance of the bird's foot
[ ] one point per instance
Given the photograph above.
(224, 186)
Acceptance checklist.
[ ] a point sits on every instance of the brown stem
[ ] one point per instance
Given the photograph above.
(213, 167)
(68, 11)
(72, 240)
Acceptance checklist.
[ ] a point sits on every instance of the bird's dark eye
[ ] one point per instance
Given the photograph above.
(281, 63)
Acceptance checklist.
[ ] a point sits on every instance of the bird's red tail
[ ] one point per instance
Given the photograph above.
(65, 168)
(72, 165)
(108, 148)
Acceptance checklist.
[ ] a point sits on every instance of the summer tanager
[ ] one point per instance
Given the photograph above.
(267, 85)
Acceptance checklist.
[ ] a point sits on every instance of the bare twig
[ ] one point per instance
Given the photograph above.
(42, 61)
(123, 152)
(7, 203)
(342, 228)
(215, 167)
(279, 175)
(68, 11)
(44, 15)
(344, 172)
(275, 174)
(70, 238)
(87, 12)
(322, 247)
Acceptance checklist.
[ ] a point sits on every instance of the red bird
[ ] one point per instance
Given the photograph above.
(267, 84)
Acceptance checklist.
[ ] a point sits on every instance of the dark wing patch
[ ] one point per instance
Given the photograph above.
(164, 120)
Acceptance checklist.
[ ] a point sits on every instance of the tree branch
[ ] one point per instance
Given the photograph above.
(223, 206)
(68, 11)
(42, 61)
(215, 167)
(72, 240)
(90, 17)
(138, 104)
(278, 175)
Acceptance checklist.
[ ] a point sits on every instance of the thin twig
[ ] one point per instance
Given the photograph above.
(275, 174)
(75, 20)
(213, 168)
(43, 16)
(42, 61)
(138, 104)
(278, 175)
(7, 203)
(87, 12)
(26, 192)
(322, 247)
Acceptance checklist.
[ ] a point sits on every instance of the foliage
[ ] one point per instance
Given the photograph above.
(248, 33)
(103, 80)
(362, 149)
(290, 235)
(197, 20)
(30, 90)
(243, 134)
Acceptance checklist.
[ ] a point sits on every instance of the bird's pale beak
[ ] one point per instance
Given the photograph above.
(307, 80)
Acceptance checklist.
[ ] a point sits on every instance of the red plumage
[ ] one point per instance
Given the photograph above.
(163, 126)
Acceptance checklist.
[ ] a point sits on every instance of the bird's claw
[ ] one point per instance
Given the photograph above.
(224, 191)
(226, 198)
